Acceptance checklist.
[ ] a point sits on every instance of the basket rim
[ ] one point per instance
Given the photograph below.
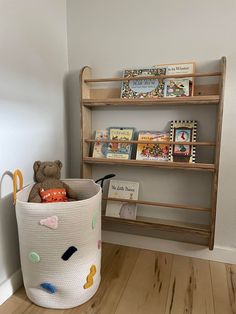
(57, 204)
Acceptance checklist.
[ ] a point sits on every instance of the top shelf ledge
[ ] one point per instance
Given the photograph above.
(120, 79)
(196, 100)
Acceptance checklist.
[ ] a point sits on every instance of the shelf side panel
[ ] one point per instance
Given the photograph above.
(85, 123)
(217, 154)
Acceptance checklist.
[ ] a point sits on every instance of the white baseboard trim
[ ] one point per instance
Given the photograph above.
(220, 254)
(10, 285)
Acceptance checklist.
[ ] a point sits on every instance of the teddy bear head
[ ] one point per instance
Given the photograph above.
(47, 169)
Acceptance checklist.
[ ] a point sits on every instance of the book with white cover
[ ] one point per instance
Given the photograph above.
(100, 148)
(123, 190)
(179, 87)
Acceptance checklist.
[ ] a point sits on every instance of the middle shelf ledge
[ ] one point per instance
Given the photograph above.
(151, 142)
(150, 163)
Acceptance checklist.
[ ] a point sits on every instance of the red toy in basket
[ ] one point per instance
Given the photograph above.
(53, 195)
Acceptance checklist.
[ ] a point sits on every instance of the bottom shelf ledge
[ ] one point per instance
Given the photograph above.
(161, 224)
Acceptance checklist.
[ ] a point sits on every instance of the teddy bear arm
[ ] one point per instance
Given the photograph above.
(34, 196)
(70, 193)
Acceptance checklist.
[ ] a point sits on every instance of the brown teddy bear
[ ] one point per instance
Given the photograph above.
(49, 187)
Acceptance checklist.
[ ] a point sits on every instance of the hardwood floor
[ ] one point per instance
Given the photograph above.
(136, 281)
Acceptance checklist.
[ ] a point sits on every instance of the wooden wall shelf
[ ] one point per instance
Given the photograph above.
(121, 79)
(108, 98)
(151, 142)
(176, 206)
(161, 224)
(182, 101)
(152, 164)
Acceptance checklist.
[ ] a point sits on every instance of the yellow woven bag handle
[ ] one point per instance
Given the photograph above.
(17, 174)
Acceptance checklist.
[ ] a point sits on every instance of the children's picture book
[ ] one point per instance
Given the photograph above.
(179, 87)
(100, 148)
(176, 88)
(118, 150)
(155, 151)
(124, 190)
(150, 88)
(183, 131)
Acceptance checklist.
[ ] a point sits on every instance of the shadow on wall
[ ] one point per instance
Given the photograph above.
(71, 87)
(9, 247)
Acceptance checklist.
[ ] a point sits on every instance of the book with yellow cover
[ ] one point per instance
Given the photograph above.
(155, 151)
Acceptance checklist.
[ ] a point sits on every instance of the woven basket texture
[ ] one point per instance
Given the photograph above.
(79, 225)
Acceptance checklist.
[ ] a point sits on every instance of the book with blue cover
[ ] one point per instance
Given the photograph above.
(143, 88)
(100, 148)
(119, 150)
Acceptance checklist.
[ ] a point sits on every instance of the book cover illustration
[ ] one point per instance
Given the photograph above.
(183, 131)
(100, 148)
(150, 88)
(124, 190)
(179, 87)
(155, 151)
(118, 150)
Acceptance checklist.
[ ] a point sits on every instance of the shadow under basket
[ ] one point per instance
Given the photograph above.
(60, 246)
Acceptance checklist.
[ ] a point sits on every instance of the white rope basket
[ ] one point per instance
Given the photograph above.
(60, 246)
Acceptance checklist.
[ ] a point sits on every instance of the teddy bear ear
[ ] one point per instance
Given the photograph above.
(36, 165)
(59, 163)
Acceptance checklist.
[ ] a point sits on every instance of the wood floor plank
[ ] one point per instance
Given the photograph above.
(220, 288)
(17, 304)
(231, 280)
(202, 294)
(147, 288)
(190, 288)
(114, 279)
(108, 253)
(40, 310)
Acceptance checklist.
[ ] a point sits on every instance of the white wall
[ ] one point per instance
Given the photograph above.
(113, 35)
(33, 62)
